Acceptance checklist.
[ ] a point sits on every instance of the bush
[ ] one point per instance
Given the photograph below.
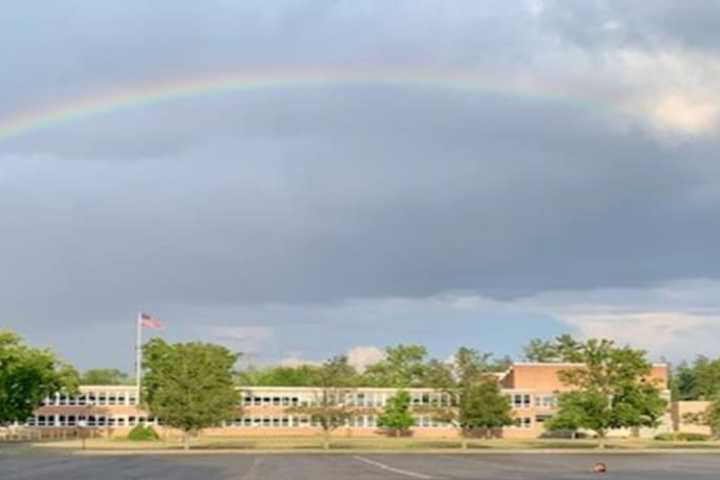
(684, 437)
(143, 433)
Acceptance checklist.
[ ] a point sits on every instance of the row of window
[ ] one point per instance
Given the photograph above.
(92, 399)
(360, 421)
(524, 400)
(371, 399)
(361, 399)
(90, 421)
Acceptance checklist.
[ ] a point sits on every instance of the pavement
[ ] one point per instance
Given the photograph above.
(671, 466)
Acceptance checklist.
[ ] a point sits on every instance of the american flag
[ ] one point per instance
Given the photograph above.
(148, 321)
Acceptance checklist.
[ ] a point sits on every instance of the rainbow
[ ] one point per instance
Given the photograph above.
(148, 95)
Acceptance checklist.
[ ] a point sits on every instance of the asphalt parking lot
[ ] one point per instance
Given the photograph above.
(358, 467)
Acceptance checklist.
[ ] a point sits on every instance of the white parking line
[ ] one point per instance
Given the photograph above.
(391, 469)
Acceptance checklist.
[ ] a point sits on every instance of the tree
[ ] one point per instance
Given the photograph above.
(684, 383)
(189, 386)
(712, 417)
(280, 376)
(539, 350)
(438, 375)
(396, 415)
(500, 364)
(482, 406)
(329, 408)
(557, 350)
(476, 408)
(469, 365)
(610, 390)
(402, 367)
(27, 376)
(477, 404)
(105, 376)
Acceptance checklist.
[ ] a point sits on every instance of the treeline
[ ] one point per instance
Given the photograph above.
(192, 386)
(699, 380)
(407, 366)
(403, 366)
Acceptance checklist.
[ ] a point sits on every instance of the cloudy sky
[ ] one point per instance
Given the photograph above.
(571, 185)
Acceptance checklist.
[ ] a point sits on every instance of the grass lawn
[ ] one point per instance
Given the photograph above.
(377, 444)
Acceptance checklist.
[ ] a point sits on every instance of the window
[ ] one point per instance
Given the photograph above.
(521, 400)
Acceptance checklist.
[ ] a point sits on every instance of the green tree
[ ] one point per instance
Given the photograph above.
(280, 376)
(477, 408)
(482, 406)
(684, 383)
(27, 376)
(396, 415)
(438, 375)
(189, 385)
(470, 365)
(557, 350)
(330, 408)
(609, 390)
(105, 376)
(500, 364)
(404, 366)
(707, 378)
(539, 350)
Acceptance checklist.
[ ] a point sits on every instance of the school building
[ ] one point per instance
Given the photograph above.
(531, 389)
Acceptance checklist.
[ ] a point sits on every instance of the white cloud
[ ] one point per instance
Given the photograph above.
(676, 319)
(360, 357)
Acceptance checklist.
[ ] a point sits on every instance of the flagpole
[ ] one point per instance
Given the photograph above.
(138, 355)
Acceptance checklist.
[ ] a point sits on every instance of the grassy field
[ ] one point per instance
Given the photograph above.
(377, 444)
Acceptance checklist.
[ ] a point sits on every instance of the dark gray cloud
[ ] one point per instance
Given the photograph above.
(658, 25)
(301, 196)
